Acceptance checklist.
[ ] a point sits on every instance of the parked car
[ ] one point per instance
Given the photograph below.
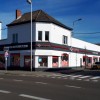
(96, 65)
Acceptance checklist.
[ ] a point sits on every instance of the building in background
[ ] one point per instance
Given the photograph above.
(53, 44)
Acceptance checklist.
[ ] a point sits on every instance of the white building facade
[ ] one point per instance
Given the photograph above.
(53, 45)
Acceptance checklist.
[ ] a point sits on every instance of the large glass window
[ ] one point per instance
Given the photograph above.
(15, 38)
(65, 39)
(65, 60)
(55, 61)
(15, 59)
(40, 35)
(43, 61)
(47, 35)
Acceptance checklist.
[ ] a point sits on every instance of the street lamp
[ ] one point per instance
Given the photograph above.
(74, 23)
(30, 2)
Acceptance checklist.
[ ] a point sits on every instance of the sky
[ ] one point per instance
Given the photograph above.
(65, 11)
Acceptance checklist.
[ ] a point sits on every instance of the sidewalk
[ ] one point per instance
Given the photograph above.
(29, 73)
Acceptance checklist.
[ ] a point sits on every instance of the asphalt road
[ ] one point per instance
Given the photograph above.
(48, 87)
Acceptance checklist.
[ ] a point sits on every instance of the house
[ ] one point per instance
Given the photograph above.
(53, 44)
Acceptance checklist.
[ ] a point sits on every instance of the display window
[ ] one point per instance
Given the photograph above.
(43, 61)
(65, 60)
(55, 61)
(27, 61)
(15, 59)
(2, 61)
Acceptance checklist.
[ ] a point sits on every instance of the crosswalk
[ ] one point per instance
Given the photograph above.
(87, 78)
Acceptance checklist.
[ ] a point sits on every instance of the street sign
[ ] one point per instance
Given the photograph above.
(6, 54)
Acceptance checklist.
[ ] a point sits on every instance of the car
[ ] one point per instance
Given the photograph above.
(96, 65)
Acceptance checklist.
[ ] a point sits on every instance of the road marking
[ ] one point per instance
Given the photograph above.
(33, 97)
(95, 80)
(77, 76)
(84, 77)
(17, 80)
(3, 91)
(41, 83)
(79, 79)
(97, 77)
(1, 78)
(72, 86)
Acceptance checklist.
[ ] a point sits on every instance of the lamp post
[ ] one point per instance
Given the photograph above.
(30, 2)
(75, 22)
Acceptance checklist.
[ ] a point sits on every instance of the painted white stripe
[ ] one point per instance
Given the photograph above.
(95, 80)
(79, 79)
(84, 77)
(3, 91)
(17, 80)
(33, 97)
(72, 86)
(1, 78)
(41, 83)
(77, 76)
(97, 77)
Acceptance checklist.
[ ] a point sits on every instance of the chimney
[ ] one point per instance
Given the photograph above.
(18, 14)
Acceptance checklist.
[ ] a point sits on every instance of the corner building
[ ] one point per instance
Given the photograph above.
(53, 44)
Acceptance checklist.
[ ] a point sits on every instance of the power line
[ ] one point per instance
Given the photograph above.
(89, 33)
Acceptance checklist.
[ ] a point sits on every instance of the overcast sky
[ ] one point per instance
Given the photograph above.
(66, 11)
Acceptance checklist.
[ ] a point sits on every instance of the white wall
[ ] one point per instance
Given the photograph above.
(43, 27)
(24, 32)
(57, 33)
(85, 45)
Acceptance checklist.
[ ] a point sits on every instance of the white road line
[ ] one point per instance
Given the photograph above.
(77, 76)
(79, 79)
(17, 80)
(95, 80)
(33, 97)
(72, 86)
(84, 77)
(1, 78)
(41, 83)
(3, 91)
(96, 77)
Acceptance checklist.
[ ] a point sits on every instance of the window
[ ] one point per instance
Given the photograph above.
(43, 61)
(40, 35)
(47, 35)
(65, 39)
(15, 38)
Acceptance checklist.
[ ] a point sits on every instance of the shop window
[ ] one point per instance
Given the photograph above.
(15, 59)
(64, 60)
(40, 35)
(65, 39)
(15, 38)
(27, 61)
(2, 61)
(55, 61)
(43, 61)
(46, 35)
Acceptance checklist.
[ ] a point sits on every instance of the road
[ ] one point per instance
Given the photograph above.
(49, 87)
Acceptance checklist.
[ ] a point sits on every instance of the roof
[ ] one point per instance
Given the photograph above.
(37, 16)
